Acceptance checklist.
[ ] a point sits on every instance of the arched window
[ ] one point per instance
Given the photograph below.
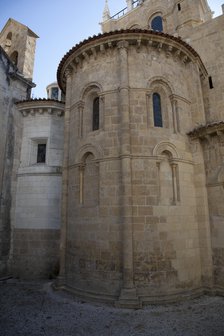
(8, 41)
(89, 181)
(157, 23)
(9, 36)
(157, 110)
(96, 114)
(14, 57)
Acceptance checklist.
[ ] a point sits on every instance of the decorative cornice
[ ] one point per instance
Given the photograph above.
(136, 37)
(41, 106)
(215, 128)
(38, 100)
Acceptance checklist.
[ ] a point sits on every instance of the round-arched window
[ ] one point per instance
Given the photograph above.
(8, 41)
(157, 23)
(14, 57)
(157, 110)
(96, 114)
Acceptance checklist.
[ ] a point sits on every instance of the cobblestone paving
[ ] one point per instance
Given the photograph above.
(34, 309)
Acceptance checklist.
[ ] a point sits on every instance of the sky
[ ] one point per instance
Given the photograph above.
(60, 24)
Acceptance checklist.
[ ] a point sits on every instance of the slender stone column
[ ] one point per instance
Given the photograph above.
(63, 240)
(81, 184)
(128, 293)
(174, 182)
(175, 116)
(149, 109)
(80, 109)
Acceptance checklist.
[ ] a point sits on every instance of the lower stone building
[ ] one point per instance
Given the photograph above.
(36, 213)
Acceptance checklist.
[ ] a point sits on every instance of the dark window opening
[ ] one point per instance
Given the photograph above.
(8, 41)
(179, 7)
(54, 93)
(157, 24)
(41, 153)
(96, 114)
(62, 97)
(210, 82)
(14, 57)
(157, 110)
(9, 36)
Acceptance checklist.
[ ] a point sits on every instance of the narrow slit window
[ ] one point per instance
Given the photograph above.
(179, 6)
(41, 153)
(96, 114)
(210, 82)
(157, 110)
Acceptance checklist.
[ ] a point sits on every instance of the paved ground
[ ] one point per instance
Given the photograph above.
(34, 309)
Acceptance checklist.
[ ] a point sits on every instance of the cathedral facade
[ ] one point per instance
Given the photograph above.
(141, 183)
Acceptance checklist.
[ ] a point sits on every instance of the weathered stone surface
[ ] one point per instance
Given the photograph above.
(141, 177)
(12, 88)
(35, 253)
(19, 42)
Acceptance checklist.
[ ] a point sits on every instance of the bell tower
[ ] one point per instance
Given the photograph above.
(191, 13)
(19, 42)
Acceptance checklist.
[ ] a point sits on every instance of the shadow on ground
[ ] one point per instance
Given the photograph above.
(34, 309)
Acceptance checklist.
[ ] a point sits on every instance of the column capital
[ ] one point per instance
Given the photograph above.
(123, 44)
(68, 73)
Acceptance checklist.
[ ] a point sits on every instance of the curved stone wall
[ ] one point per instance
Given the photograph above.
(132, 231)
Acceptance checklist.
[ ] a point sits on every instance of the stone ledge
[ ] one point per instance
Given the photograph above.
(202, 131)
(40, 169)
(129, 300)
(85, 295)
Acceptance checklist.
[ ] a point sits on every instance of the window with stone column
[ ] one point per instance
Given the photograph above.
(159, 104)
(168, 179)
(91, 111)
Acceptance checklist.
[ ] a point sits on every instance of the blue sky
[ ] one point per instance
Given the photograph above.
(61, 24)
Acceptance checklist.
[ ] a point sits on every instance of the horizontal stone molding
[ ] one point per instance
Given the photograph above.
(214, 185)
(132, 157)
(39, 169)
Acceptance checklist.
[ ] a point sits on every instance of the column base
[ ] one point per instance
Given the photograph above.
(128, 299)
(59, 282)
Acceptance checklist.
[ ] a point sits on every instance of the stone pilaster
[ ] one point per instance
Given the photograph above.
(203, 216)
(63, 238)
(128, 297)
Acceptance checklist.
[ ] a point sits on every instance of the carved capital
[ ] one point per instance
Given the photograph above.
(86, 56)
(81, 105)
(93, 50)
(122, 44)
(25, 113)
(68, 73)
